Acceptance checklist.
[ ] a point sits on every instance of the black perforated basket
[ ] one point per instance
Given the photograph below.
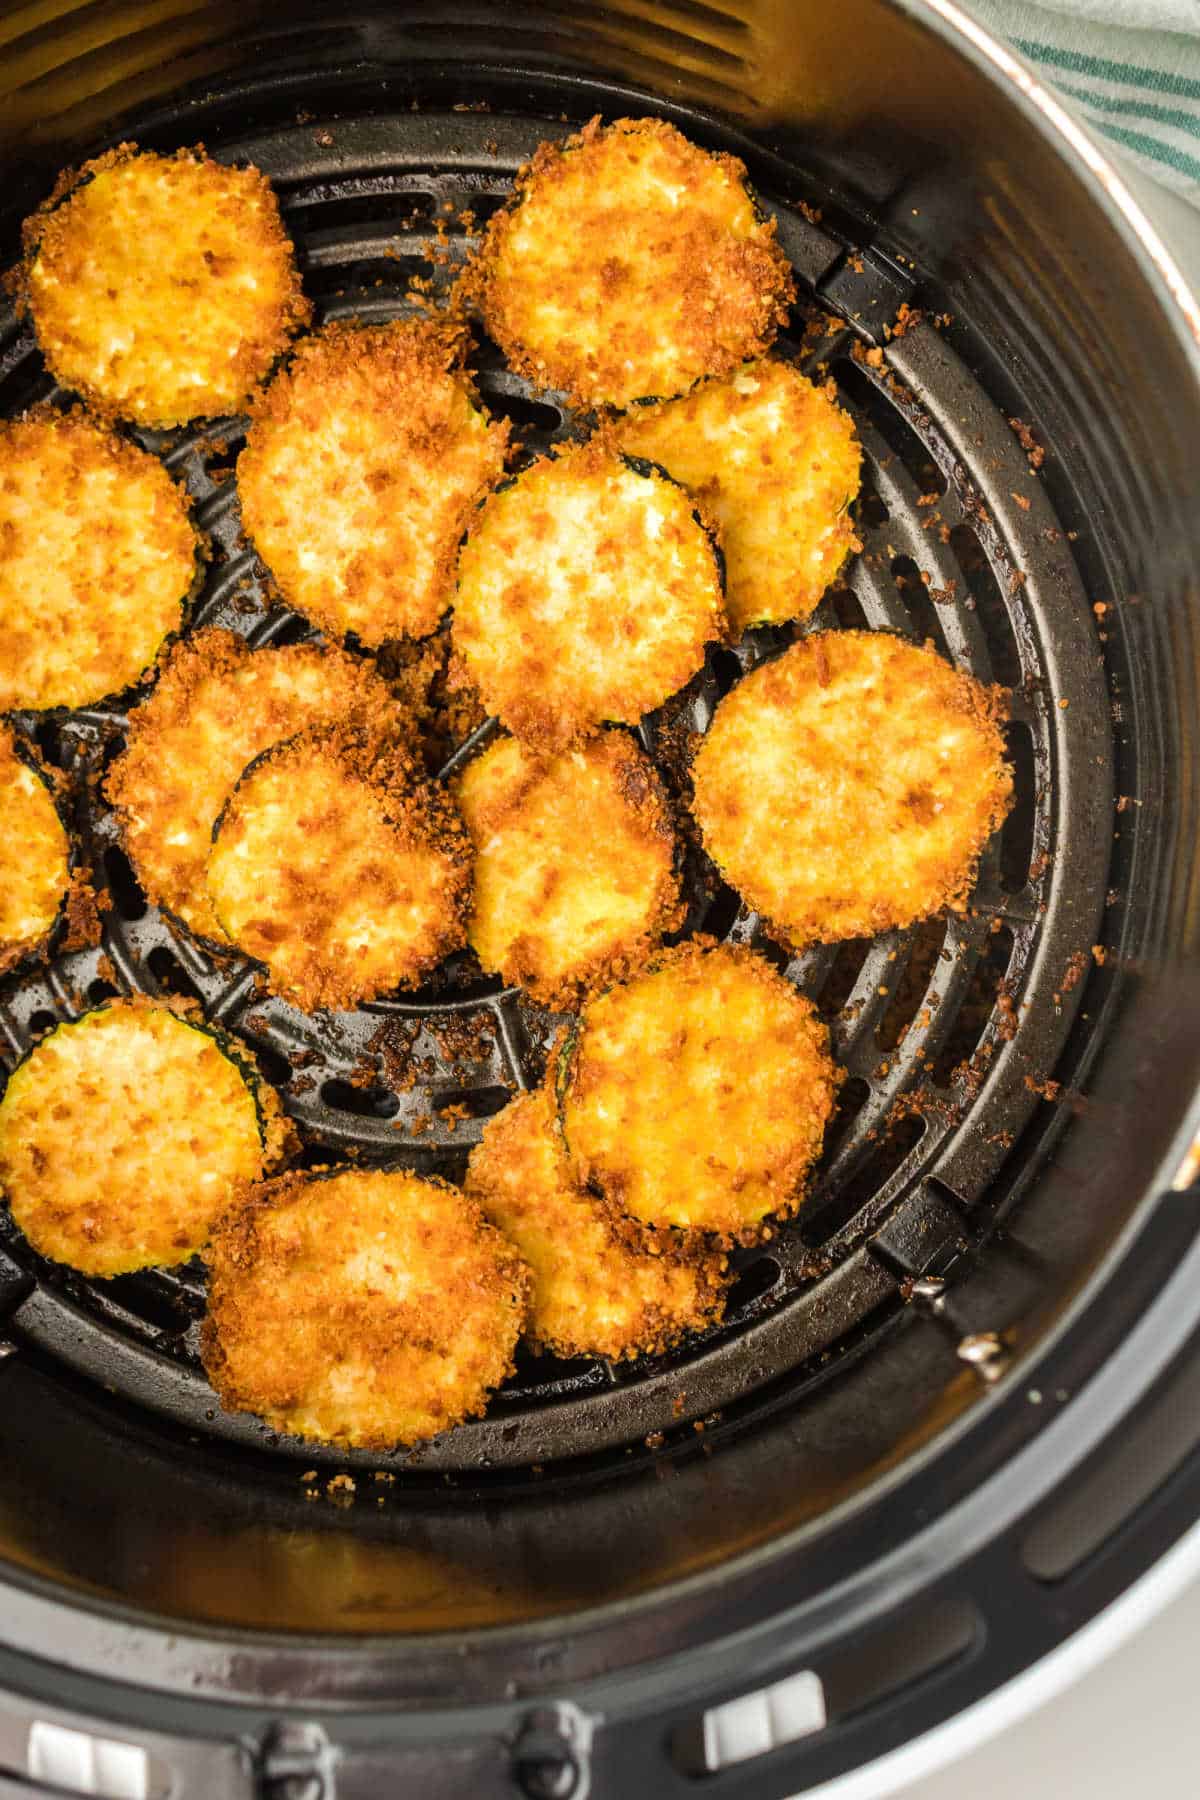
(1021, 1075)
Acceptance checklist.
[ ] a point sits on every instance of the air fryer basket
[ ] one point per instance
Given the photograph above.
(847, 1472)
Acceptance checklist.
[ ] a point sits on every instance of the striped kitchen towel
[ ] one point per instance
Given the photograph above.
(1130, 68)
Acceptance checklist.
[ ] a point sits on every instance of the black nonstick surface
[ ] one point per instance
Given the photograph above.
(949, 1031)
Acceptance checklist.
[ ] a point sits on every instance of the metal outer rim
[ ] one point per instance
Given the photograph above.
(1112, 195)
(1076, 146)
(1042, 1682)
(1114, 198)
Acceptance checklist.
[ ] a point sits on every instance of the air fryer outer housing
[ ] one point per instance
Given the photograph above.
(920, 1498)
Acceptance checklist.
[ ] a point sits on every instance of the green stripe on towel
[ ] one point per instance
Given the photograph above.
(1074, 62)
(1174, 116)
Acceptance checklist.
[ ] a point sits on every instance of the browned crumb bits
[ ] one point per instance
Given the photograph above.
(365, 458)
(602, 1285)
(124, 1134)
(217, 704)
(99, 556)
(774, 461)
(587, 590)
(340, 868)
(35, 873)
(698, 1093)
(363, 1307)
(162, 288)
(575, 876)
(850, 785)
(630, 264)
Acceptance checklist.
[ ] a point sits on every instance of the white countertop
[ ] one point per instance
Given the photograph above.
(1129, 1730)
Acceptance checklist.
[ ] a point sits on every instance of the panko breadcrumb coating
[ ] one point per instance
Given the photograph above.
(217, 705)
(602, 1285)
(775, 462)
(35, 868)
(162, 288)
(587, 590)
(125, 1133)
(850, 785)
(364, 460)
(629, 264)
(98, 557)
(365, 1307)
(339, 868)
(575, 877)
(698, 1093)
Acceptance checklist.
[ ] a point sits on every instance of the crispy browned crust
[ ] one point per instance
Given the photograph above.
(850, 785)
(302, 1328)
(774, 461)
(213, 710)
(612, 302)
(83, 910)
(603, 1285)
(575, 864)
(99, 557)
(134, 243)
(364, 460)
(217, 705)
(697, 1094)
(569, 612)
(329, 830)
(35, 871)
(122, 1135)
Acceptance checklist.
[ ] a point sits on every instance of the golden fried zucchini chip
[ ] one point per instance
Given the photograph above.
(775, 462)
(629, 264)
(35, 855)
(575, 876)
(124, 1134)
(697, 1094)
(162, 288)
(587, 590)
(99, 556)
(341, 869)
(364, 1307)
(217, 705)
(602, 1285)
(850, 785)
(364, 460)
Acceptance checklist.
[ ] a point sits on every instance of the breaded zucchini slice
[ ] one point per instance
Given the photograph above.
(35, 855)
(575, 863)
(850, 785)
(587, 590)
(775, 462)
(217, 705)
(339, 868)
(364, 460)
(629, 264)
(697, 1094)
(125, 1133)
(161, 288)
(363, 1307)
(99, 556)
(603, 1285)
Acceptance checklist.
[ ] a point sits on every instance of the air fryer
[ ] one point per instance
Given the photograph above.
(953, 1411)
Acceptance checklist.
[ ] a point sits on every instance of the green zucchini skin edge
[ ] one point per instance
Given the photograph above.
(641, 465)
(134, 690)
(233, 1052)
(512, 204)
(14, 956)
